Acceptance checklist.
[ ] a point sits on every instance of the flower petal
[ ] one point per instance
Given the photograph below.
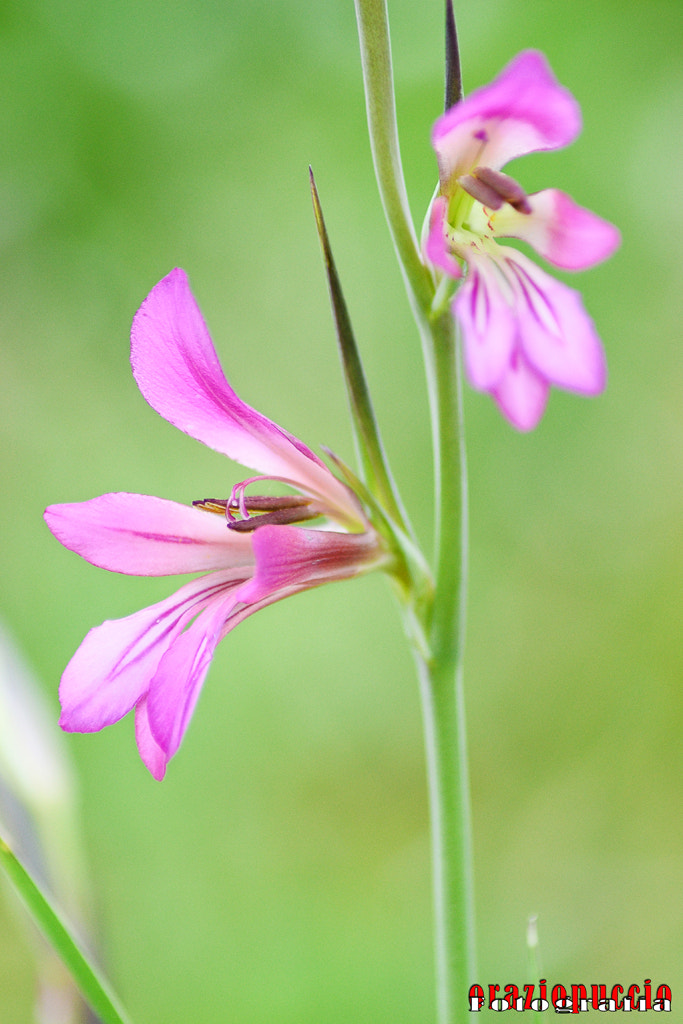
(555, 333)
(566, 234)
(290, 559)
(521, 394)
(150, 751)
(523, 110)
(178, 372)
(146, 536)
(436, 245)
(483, 309)
(113, 667)
(181, 672)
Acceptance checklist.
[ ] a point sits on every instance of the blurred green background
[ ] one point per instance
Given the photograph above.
(281, 871)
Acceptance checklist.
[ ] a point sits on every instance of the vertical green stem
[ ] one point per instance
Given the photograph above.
(441, 667)
(442, 691)
(375, 50)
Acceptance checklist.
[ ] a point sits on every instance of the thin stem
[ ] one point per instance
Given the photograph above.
(442, 691)
(440, 665)
(375, 48)
(448, 623)
(443, 713)
(442, 680)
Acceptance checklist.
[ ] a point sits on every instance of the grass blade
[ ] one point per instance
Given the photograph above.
(93, 987)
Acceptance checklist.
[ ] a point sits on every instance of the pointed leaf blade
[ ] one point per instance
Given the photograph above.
(93, 987)
(454, 90)
(371, 451)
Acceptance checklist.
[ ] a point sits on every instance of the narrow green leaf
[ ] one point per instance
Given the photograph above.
(370, 448)
(93, 987)
(454, 91)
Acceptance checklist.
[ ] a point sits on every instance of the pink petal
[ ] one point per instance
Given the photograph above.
(483, 309)
(147, 536)
(113, 667)
(436, 245)
(555, 332)
(290, 559)
(178, 372)
(565, 233)
(521, 394)
(523, 110)
(179, 677)
(150, 751)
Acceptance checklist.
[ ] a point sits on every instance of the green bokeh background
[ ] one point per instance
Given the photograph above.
(281, 871)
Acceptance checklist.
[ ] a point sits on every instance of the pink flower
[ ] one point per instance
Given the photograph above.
(252, 554)
(522, 330)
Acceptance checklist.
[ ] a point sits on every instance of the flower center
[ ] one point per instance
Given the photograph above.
(245, 513)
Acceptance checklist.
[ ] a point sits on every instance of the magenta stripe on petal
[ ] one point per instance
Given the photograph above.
(488, 324)
(180, 675)
(289, 557)
(556, 334)
(147, 536)
(113, 667)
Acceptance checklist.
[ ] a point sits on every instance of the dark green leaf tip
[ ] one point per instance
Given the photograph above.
(454, 91)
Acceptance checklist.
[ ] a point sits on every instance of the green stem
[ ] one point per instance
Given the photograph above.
(375, 49)
(440, 666)
(442, 690)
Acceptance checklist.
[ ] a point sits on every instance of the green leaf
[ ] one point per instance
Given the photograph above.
(370, 448)
(92, 985)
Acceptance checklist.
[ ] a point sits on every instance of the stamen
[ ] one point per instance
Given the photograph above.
(493, 188)
(280, 517)
(266, 503)
(274, 510)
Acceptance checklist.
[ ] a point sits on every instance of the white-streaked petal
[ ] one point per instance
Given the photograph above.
(485, 314)
(564, 233)
(555, 333)
(146, 536)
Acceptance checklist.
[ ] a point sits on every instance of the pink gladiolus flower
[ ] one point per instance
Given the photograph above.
(522, 330)
(252, 552)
